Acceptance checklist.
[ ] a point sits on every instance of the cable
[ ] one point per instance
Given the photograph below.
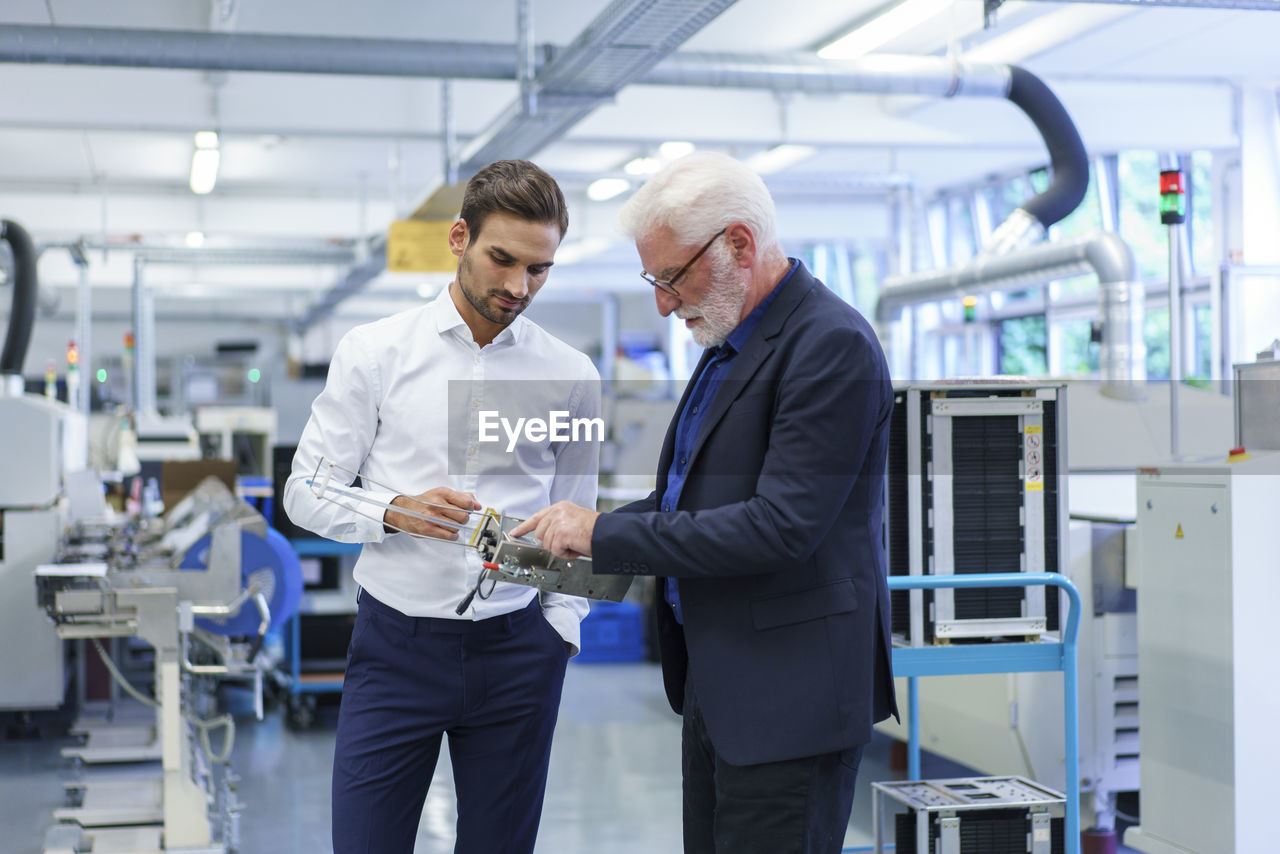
(201, 725)
(119, 677)
(228, 741)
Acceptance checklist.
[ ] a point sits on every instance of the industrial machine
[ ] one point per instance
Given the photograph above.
(182, 584)
(242, 433)
(969, 815)
(30, 527)
(973, 488)
(1208, 705)
(995, 723)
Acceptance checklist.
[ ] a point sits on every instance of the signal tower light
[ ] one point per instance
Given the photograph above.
(1173, 197)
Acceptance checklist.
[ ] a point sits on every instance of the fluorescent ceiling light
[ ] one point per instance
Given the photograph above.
(204, 163)
(195, 239)
(883, 29)
(204, 170)
(606, 188)
(1045, 33)
(642, 166)
(580, 250)
(779, 157)
(675, 149)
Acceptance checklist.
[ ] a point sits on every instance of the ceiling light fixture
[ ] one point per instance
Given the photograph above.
(642, 166)
(779, 157)
(195, 239)
(204, 163)
(1045, 33)
(675, 149)
(603, 189)
(882, 29)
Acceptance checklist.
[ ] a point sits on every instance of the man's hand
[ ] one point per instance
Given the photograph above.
(564, 529)
(443, 497)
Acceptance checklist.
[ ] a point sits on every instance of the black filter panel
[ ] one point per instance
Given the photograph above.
(899, 526)
(987, 511)
(1001, 831)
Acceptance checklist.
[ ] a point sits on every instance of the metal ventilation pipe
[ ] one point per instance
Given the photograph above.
(1122, 354)
(907, 75)
(23, 313)
(1067, 159)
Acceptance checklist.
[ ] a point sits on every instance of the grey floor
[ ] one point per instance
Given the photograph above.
(614, 784)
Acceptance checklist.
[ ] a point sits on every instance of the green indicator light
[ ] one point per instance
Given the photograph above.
(1173, 208)
(102, 375)
(254, 375)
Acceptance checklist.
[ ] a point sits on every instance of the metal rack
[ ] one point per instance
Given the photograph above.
(956, 660)
(303, 692)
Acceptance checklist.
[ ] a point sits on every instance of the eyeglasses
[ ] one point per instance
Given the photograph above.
(669, 285)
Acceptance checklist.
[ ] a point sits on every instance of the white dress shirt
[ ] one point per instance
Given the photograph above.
(402, 405)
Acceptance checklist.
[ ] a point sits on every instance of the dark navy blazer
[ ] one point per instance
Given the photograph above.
(778, 539)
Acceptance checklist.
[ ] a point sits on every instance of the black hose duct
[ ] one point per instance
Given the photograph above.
(23, 314)
(1067, 157)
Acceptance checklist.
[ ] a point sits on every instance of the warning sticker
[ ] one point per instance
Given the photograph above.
(1033, 458)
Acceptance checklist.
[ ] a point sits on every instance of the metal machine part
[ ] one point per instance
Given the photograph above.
(1257, 400)
(1206, 545)
(970, 815)
(503, 557)
(168, 581)
(973, 487)
(31, 520)
(523, 561)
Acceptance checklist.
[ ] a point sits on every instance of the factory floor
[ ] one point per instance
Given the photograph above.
(614, 784)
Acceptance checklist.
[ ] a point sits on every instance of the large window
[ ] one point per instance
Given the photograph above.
(1085, 218)
(1048, 329)
(1023, 346)
(1140, 213)
(852, 269)
(1156, 333)
(1077, 355)
(1204, 259)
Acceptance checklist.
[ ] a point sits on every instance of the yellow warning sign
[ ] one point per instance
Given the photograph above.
(1178, 535)
(1032, 428)
(420, 246)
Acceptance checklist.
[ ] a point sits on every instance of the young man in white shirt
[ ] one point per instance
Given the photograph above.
(406, 404)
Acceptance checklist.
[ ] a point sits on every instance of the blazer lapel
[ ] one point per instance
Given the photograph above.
(757, 349)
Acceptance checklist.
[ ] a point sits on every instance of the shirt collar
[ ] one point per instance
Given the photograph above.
(738, 337)
(448, 319)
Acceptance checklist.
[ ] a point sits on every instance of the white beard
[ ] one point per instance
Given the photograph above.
(721, 308)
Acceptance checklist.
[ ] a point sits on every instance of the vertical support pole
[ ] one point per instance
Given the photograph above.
(525, 59)
(449, 132)
(1175, 334)
(1070, 714)
(84, 314)
(144, 327)
(913, 728)
(608, 339)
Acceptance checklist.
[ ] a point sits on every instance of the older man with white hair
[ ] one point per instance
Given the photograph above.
(765, 529)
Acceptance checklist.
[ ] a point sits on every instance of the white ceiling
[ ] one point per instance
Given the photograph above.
(322, 160)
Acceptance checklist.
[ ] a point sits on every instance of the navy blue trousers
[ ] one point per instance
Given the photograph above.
(493, 685)
(796, 806)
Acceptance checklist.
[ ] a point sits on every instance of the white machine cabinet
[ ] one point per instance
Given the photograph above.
(1208, 548)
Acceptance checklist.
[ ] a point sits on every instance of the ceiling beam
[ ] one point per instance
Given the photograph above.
(231, 51)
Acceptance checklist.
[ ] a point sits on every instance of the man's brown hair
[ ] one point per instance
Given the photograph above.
(516, 187)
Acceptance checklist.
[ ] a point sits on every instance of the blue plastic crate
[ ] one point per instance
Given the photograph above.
(613, 631)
